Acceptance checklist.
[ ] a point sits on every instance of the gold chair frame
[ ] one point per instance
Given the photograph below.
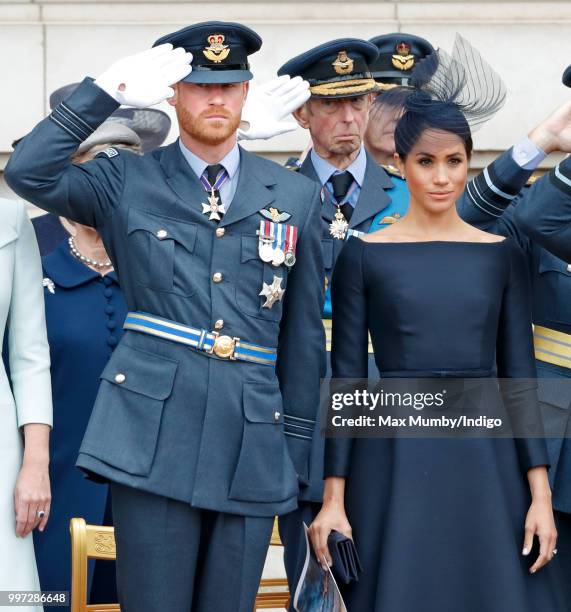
(97, 542)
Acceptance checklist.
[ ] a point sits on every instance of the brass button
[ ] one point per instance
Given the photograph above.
(120, 378)
(219, 324)
(220, 231)
(277, 415)
(217, 277)
(162, 234)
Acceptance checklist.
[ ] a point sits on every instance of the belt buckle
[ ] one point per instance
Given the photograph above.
(224, 346)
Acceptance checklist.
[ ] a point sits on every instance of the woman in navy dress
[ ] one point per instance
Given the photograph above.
(440, 524)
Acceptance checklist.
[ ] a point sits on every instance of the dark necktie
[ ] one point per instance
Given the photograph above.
(341, 184)
(212, 172)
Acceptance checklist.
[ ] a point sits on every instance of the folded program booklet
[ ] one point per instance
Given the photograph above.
(316, 590)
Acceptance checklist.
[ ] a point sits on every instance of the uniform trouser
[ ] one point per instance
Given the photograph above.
(293, 538)
(173, 557)
(103, 584)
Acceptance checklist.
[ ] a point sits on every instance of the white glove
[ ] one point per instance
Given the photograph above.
(143, 79)
(268, 105)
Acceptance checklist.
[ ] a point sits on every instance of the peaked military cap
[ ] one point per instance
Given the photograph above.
(220, 50)
(336, 69)
(398, 55)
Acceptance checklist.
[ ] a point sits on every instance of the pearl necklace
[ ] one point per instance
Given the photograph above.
(87, 260)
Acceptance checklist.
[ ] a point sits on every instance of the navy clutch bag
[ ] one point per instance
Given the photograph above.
(346, 562)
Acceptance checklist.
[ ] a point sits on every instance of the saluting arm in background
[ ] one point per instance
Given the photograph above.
(541, 212)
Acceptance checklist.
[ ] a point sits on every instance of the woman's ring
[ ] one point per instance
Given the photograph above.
(41, 514)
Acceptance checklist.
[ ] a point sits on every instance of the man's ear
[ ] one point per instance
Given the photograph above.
(301, 115)
(246, 89)
(173, 101)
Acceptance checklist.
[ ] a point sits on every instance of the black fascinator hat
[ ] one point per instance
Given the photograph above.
(454, 93)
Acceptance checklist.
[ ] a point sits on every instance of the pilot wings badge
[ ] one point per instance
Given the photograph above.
(273, 214)
(217, 51)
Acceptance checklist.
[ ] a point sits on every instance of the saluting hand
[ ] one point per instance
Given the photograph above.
(144, 79)
(554, 133)
(268, 106)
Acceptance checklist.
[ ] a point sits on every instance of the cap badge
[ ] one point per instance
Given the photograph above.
(217, 51)
(343, 64)
(402, 59)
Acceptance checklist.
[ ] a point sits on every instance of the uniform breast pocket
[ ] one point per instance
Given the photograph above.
(253, 275)
(164, 251)
(555, 288)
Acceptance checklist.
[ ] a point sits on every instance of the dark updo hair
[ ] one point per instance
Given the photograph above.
(424, 113)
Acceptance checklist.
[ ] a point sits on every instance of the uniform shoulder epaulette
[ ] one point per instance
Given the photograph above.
(293, 164)
(391, 170)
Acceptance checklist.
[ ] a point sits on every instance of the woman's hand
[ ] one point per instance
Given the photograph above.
(331, 516)
(539, 520)
(32, 495)
(32, 492)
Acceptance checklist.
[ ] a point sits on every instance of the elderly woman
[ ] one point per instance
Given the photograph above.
(26, 415)
(85, 312)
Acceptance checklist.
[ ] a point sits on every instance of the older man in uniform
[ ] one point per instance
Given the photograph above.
(197, 420)
(353, 191)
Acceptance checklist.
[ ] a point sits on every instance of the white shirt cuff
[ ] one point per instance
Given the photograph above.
(527, 155)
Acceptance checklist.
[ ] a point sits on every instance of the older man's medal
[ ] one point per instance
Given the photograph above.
(339, 226)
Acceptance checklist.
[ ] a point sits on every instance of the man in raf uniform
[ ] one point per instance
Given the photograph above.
(198, 416)
(399, 54)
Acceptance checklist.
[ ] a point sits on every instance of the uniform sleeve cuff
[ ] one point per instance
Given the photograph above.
(495, 188)
(81, 113)
(561, 176)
